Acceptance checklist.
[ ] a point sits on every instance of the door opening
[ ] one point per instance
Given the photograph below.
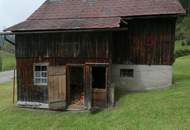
(98, 77)
(99, 86)
(75, 87)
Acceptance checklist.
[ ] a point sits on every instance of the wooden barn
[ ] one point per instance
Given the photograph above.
(76, 54)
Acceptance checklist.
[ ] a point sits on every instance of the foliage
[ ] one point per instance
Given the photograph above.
(186, 5)
(156, 110)
(8, 60)
(182, 46)
(183, 30)
(8, 47)
(181, 49)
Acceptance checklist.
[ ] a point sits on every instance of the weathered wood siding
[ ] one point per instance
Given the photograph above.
(57, 87)
(57, 50)
(147, 41)
(67, 45)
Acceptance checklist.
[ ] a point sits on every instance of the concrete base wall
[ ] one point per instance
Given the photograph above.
(144, 78)
(32, 105)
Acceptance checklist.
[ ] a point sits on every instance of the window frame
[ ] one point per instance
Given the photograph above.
(40, 77)
(125, 73)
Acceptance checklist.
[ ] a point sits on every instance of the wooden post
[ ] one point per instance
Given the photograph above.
(14, 87)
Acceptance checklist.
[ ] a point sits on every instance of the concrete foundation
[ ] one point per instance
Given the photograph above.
(144, 77)
(32, 105)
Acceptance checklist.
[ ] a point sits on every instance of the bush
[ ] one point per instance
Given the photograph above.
(183, 43)
(188, 43)
(183, 29)
(180, 53)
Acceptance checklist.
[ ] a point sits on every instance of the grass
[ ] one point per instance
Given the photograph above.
(156, 110)
(8, 60)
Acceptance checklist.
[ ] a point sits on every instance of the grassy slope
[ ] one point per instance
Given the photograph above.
(157, 110)
(8, 60)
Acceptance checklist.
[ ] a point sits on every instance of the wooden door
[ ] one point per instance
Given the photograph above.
(99, 94)
(57, 87)
(96, 97)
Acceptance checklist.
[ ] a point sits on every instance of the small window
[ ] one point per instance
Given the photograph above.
(40, 74)
(126, 73)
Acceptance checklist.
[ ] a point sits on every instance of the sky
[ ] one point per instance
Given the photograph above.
(16, 11)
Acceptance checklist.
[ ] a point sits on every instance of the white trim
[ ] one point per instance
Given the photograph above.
(42, 63)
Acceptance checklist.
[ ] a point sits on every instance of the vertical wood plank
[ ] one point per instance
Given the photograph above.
(57, 87)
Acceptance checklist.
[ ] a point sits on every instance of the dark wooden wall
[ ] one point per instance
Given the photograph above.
(147, 41)
(67, 45)
(55, 49)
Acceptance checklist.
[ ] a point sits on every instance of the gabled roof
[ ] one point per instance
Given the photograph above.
(79, 14)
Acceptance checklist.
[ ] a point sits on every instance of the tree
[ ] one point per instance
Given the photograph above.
(183, 30)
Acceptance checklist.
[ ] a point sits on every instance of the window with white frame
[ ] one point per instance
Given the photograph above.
(40, 74)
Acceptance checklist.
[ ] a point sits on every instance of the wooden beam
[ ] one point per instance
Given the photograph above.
(61, 31)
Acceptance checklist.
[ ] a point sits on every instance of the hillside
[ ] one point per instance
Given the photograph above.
(8, 60)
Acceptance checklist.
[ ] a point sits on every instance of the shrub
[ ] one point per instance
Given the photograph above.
(180, 53)
(183, 43)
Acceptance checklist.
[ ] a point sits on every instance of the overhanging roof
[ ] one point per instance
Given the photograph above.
(88, 14)
(56, 24)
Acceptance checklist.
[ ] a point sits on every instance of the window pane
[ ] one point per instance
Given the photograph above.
(37, 80)
(44, 68)
(44, 81)
(38, 74)
(44, 74)
(37, 68)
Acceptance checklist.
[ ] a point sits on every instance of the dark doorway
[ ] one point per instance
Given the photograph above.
(99, 86)
(99, 77)
(75, 87)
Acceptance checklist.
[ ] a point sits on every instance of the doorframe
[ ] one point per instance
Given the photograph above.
(87, 78)
(88, 87)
